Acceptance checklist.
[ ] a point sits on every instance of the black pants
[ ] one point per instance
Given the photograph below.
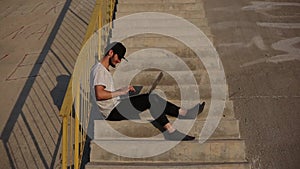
(131, 108)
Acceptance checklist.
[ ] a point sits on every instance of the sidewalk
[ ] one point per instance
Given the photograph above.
(39, 43)
(258, 42)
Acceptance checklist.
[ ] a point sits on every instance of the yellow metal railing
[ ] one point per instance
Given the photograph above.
(76, 106)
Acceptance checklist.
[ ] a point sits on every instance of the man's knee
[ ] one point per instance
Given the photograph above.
(157, 102)
(154, 97)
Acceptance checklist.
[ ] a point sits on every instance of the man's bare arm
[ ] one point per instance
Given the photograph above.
(102, 94)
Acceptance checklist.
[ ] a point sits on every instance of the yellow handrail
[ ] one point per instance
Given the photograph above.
(77, 94)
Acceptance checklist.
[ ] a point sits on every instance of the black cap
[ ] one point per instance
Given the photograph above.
(118, 48)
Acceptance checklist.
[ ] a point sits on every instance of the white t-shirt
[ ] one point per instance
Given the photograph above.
(101, 76)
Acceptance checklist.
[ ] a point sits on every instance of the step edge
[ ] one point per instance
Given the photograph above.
(227, 140)
(154, 163)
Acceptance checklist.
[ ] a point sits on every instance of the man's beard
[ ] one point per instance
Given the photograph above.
(111, 64)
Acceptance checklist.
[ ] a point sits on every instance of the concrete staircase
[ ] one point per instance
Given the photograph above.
(223, 150)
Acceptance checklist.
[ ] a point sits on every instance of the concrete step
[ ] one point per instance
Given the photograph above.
(183, 51)
(227, 114)
(181, 32)
(158, 18)
(155, 1)
(212, 151)
(159, 7)
(118, 34)
(178, 26)
(186, 92)
(134, 22)
(172, 64)
(227, 129)
(200, 43)
(151, 59)
(145, 78)
(124, 165)
(192, 14)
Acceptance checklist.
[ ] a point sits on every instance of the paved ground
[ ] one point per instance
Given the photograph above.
(259, 43)
(39, 43)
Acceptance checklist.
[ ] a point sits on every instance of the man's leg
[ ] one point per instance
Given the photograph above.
(160, 108)
(163, 107)
(130, 109)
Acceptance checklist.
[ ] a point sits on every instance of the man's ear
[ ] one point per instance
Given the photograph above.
(110, 53)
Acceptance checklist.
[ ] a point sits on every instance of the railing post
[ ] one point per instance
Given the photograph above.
(65, 142)
(76, 127)
(111, 13)
(65, 113)
(99, 28)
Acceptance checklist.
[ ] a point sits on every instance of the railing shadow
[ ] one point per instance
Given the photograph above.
(32, 134)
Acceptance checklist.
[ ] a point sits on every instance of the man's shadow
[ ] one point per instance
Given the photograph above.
(58, 92)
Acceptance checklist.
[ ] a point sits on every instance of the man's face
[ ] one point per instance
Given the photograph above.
(114, 60)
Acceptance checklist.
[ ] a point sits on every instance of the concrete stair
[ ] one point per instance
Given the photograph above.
(157, 1)
(228, 112)
(168, 166)
(196, 14)
(175, 92)
(159, 7)
(182, 77)
(202, 22)
(187, 152)
(227, 129)
(170, 64)
(160, 41)
(223, 150)
(181, 51)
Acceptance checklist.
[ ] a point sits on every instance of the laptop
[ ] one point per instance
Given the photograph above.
(138, 89)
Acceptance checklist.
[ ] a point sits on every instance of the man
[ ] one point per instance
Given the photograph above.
(114, 109)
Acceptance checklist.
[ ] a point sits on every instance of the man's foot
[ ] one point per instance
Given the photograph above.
(177, 136)
(193, 112)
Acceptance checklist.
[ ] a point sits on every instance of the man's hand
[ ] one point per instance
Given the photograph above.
(126, 89)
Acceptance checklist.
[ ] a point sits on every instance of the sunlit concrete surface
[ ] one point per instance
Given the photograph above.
(259, 44)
